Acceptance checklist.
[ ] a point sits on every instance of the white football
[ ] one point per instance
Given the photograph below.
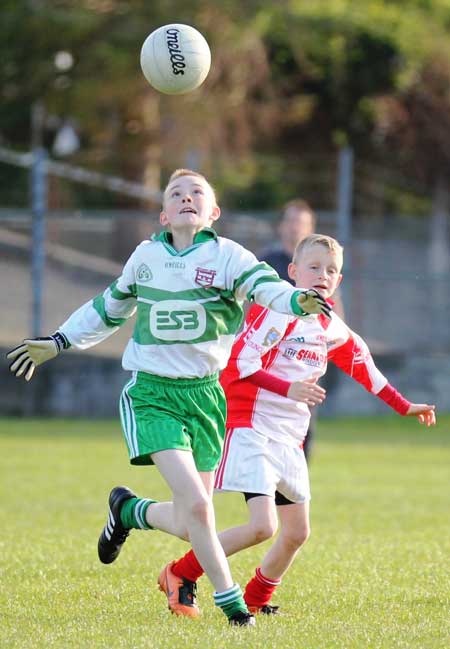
(175, 59)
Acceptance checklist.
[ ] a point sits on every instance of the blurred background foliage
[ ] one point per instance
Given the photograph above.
(291, 82)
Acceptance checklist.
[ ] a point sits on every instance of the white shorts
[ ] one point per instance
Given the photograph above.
(253, 463)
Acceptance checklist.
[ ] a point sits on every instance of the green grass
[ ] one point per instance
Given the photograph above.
(375, 572)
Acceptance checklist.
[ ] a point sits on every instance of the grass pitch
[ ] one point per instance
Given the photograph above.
(375, 572)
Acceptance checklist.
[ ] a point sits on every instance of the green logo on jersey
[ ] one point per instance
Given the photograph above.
(144, 274)
(177, 320)
(170, 320)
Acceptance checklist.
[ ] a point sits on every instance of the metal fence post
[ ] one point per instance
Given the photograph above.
(39, 182)
(344, 205)
(344, 195)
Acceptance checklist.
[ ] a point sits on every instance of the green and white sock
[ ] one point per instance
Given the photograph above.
(231, 601)
(132, 513)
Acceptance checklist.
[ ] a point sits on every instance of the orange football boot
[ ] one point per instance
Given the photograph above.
(181, 593)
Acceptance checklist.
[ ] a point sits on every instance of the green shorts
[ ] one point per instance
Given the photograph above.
(159, 413)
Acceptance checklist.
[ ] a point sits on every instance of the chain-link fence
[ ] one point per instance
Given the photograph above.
(395, 287)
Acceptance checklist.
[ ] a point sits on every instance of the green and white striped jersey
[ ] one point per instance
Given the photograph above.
(188, 303)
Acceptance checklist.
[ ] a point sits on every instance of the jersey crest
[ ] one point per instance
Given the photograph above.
(205, 277)
(144, 274)
(271, 337)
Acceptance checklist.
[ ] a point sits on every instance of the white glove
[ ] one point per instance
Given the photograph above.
(35, 351)
(312, 302)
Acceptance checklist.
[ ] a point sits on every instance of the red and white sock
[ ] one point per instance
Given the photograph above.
(260, 589)
(188, 567)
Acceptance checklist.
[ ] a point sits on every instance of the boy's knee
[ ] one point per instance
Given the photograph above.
(297, 537)
(202, 512)
(264, 530)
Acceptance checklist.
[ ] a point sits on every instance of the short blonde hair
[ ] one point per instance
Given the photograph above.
(318, 240)
(178, 173)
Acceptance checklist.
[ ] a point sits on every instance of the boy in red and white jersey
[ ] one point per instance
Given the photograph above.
(270, 382)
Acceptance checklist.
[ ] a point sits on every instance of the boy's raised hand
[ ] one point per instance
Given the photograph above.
(33, 352)
(312, 302)
(424, 413)
(307, 391)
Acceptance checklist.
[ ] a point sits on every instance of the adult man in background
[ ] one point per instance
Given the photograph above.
(298, 221)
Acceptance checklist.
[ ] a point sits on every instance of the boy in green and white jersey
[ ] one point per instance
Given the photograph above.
(187, 286)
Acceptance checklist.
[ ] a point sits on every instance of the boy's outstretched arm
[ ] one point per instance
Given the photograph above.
(256, 281)
(87, 326)
(355, 359)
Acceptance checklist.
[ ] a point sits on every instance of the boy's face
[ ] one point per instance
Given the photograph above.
(319, 268)
(189, 203)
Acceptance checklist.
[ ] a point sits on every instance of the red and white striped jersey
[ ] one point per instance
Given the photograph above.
(293, 349)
